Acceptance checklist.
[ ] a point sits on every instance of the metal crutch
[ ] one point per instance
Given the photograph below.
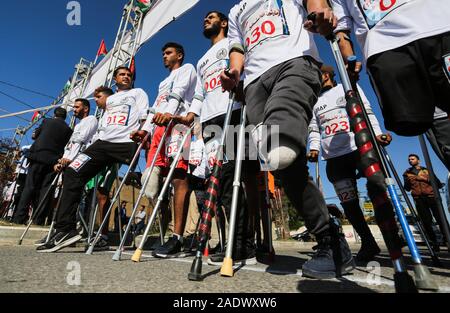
(434, 257)
(130, 169)
(227, 265)
(437, 195)
(138, 253)
(39, 208)
(118, 253)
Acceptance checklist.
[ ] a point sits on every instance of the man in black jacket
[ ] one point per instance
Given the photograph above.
(50, 139)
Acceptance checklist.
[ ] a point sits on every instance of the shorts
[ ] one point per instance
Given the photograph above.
(161, 159)
(410, 81)
(105, 179)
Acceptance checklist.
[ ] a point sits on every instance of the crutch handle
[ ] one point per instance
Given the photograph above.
(351, 61)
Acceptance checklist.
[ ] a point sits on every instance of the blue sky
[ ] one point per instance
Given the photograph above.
(40, 49)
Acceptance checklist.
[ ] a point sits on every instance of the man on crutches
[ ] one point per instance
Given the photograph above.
(81, 138)
(124, 112)
(174, 97)
(330, 132)
(401, 41)
(210, 104)
(282, 83)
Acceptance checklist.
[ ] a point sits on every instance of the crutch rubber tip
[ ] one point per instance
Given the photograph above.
(196, 270)
(404, 283)
(116, 256)
(227, 267)
(19, 242)
(137, 255)
(90, 250)
(423, 278)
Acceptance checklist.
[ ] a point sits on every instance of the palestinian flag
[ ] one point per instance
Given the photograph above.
(35, 116)
(144, 5)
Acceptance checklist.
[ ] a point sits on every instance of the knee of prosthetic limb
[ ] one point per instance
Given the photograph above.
(346, 190)
(275, 151)
(153, 184)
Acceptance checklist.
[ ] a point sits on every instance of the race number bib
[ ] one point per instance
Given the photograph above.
(211, 148)
(334, 122)
(79, 162)
(118, 115)
(212, 76)
(375, 10)
(345, 190)
(196, 152)
(447, 66)
(173, 143)
(266, 23)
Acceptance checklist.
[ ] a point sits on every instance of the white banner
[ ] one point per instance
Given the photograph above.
(162, 13)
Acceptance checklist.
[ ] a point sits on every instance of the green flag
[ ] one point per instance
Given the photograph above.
(144, 5)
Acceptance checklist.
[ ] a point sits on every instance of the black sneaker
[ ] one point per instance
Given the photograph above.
(59, 241)
(171, 249)
(329, 253)
(101, 245)
(43, 241)
(217, 259)
(369, 249)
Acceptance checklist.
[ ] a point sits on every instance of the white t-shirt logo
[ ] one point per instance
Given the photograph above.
(375, 10)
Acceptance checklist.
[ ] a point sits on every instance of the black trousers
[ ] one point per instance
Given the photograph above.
(427, 208)
(284, 96)
(82, 169)
(410, 81)
(37, 183)
(439, 137)
(244, 232)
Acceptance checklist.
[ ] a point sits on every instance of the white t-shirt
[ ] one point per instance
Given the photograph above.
(81, 137)
(140, 216)
(178, 87)
(381, 25)
(23, 164)
(329, 128)
(209, 100)
(124, 111)
(270, 32)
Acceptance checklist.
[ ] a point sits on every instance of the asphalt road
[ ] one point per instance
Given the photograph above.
(70, 270)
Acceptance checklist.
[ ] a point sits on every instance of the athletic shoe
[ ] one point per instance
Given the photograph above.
(42, 241)
(59, 241)
(332, 259)
(171, 249)
(369, 249)
(240, 260)
(101, 245)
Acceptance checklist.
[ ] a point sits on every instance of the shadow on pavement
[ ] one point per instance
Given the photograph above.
(329, 286)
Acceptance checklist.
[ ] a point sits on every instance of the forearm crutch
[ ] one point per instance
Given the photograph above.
(116, 195)
(138, 253)
(210, 204)
(227, 265)
(39, 208)
(437, 195)
(423, 278)
(434, 257)
(118, 253)
(370, 159)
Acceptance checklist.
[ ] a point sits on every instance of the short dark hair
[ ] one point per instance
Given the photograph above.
(85, 102)
(222, 18)
(414, 155)
(330, 71)
(178, 48)
(103, 89)
(116, 71)
(61, 113)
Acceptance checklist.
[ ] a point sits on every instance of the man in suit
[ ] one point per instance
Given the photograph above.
(50, 139)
